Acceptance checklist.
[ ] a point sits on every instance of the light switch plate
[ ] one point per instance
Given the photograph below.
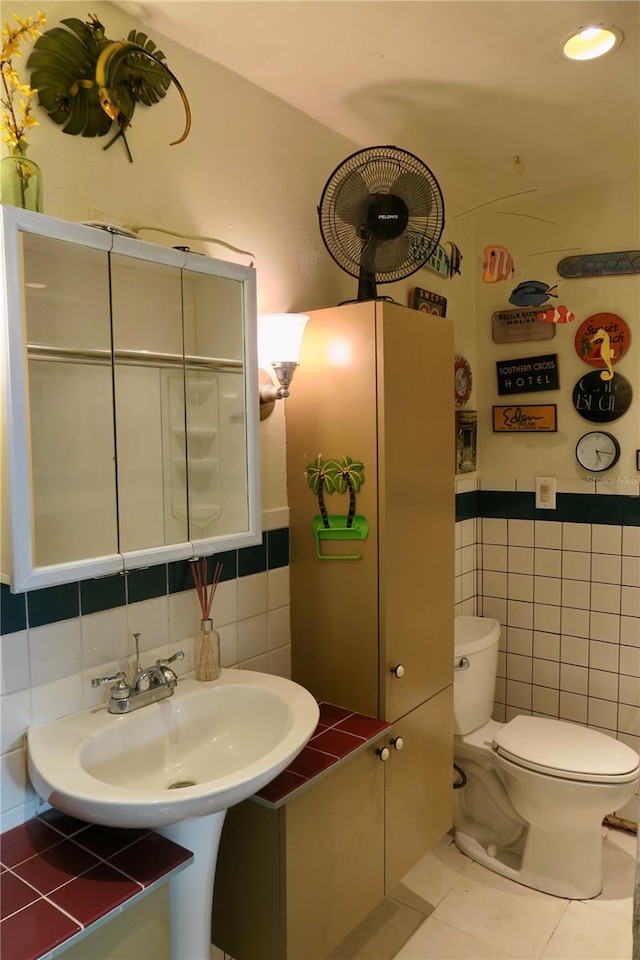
(545, 493)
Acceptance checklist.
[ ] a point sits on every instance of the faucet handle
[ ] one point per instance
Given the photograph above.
(120, 679)
(165, 662)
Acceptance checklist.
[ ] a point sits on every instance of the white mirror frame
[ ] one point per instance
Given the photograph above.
(18, 558)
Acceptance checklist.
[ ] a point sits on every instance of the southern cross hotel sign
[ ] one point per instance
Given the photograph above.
(528, 374)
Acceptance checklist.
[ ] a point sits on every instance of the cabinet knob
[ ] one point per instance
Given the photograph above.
(384, 753)
(397, 743)
(398, 670)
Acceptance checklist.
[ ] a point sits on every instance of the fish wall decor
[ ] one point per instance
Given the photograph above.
(532, 293)
(498, 265)
(559, 314)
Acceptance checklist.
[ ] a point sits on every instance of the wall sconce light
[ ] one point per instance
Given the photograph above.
(280, 336)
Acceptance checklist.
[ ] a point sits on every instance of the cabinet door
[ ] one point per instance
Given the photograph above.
(331, 414)
(416, 510)
(418, 791)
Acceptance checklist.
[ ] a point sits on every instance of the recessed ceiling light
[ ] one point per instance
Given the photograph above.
(591, 42)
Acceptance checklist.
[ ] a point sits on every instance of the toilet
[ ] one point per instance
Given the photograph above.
(533, 792)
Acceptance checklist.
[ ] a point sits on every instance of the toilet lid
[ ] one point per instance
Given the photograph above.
(564, 749)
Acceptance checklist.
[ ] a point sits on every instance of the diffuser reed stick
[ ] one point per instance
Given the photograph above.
(207, 664)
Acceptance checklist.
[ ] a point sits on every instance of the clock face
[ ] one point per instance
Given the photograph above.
(597, 451)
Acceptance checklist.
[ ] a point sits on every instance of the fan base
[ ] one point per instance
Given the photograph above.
(344, 303)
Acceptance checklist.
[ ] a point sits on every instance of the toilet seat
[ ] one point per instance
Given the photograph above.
(566, 750)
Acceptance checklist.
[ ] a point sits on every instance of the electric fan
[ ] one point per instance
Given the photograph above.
(381, 216)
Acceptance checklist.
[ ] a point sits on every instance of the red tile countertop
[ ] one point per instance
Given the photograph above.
(58, 876)
(340, 734)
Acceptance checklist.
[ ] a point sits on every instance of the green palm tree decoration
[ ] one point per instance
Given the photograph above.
(321, 476)
(86, 82)
(350, 476)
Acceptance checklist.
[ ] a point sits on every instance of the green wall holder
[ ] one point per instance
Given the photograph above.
(338, 530)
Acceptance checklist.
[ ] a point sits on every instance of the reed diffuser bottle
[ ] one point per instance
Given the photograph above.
(207, 651)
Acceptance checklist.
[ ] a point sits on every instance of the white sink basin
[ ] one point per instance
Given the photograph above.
(204, 749)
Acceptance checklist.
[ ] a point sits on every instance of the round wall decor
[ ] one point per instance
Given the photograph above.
(462, 381)
(602, 401)
(597, 451)
(602, 339)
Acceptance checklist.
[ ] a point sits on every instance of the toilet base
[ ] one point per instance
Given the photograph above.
(526, 876)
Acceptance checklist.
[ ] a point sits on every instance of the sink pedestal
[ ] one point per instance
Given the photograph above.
(191, 891)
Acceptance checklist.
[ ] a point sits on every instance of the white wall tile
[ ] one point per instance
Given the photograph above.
(467, 559)
(574, 623)
(629, 691)
(104, 636)
(466, 484)
(546, 673)
(574, 650)
(602, 713)
(574, 679)
(576, 536)
(630, 602)
(494, 584)
(55, 651)
(629, 719)
(519, 694)
(468, 585)
(546, 646)
(545, 701)
(520, 559)
(546, 618)
(253, 637)
(520, 614)
(573, 707)
(15, 789)
(279, 628)
(229, 656)
(606, 538)
(605, 627)
(184, 615)
(603, 685)
(519, 640)
(457, 590)
(494, 557)
(280, 662)
(495, 607)
(469, 607)
(15, 717)
(548, 533)
(494, 530)
(50, 701)
(261, 663)
(606, 568)
(604, 656)
(519, 668)
(520, 586)
(576, 566)
(631, 541)
(252, 595)
(630, 661)
(631, 571)
(14, 662)
(225, 603)
(520, 533)
(278, 594)
(547, 563)
(547, 590)
(576, 593)
(605, 597)
(149, 618)
(468, 532)
(630, 631)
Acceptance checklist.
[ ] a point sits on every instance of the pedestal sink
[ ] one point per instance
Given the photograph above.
(176, 766)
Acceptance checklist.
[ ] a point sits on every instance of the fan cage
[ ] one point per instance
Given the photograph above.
(379, 170)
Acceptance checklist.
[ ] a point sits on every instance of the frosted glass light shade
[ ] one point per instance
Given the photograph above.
(591, 42)
(280, 336)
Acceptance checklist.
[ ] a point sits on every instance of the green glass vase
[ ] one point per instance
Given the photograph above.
(21, 182)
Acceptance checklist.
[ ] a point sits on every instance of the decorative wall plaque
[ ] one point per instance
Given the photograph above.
(516, 326)
(602, 340)
(600, 264)
(528, 374)
(525, 419)
(602, 401)
(428, 302)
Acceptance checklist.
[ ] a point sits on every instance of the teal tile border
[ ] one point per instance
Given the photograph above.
(67, 601)
(570, 507)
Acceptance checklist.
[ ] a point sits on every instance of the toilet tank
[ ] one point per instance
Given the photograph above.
(476, 642)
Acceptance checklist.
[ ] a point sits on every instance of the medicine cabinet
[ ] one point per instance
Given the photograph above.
(130, 403)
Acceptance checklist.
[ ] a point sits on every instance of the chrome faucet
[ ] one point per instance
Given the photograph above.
(148, 685)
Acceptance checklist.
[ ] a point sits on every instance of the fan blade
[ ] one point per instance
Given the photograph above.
(416, 192)
(350, 197)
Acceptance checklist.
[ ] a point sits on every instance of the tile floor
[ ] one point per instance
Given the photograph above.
(451, 908)
(479, 915)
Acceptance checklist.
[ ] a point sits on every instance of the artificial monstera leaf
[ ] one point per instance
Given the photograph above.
(87, 82)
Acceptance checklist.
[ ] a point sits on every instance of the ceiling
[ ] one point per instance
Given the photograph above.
(464, 84)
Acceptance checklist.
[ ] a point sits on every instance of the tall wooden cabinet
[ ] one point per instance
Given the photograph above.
(372, 603)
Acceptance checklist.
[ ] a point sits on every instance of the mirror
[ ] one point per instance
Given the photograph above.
(131, 392)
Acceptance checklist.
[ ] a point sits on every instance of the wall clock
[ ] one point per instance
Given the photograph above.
(597, 451)
(462, 381)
